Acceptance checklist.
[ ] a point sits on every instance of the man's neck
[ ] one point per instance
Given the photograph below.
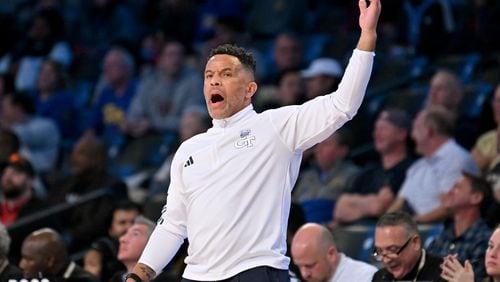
(435, 144)
(393, 157)
(464, 219)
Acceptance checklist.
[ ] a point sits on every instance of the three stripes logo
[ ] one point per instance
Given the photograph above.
(189, 162)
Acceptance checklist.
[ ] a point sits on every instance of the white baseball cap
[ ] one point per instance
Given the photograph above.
(323, 66)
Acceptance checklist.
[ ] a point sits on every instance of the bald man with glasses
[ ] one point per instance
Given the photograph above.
(398, 247)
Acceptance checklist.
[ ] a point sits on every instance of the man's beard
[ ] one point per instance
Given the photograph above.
(14, 192)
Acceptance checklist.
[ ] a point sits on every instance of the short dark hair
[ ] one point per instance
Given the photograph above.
(478, 184)
(399, 218)
(246, 58)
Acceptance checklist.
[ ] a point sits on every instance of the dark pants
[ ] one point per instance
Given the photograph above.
(260, 274)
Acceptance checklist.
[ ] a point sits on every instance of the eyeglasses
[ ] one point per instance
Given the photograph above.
(392, 251)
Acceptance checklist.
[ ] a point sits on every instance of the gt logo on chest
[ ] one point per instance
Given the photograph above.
(245, 140)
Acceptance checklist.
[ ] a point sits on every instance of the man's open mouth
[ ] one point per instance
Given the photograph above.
(216, 98)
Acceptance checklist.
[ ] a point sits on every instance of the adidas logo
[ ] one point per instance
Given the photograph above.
(189, 162)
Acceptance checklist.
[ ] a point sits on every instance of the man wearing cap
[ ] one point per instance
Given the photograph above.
(375, 188)
(18, 199)
(322, 76)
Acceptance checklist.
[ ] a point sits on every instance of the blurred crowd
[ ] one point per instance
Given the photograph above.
(97, 95)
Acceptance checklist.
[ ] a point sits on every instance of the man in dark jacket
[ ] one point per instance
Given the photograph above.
(399, 247)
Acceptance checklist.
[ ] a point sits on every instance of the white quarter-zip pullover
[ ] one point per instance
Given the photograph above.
(230, 187)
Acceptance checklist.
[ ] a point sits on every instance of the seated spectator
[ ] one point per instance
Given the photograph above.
(44, 255)
(398, 247)
(331, 171)
(114, 98)
(485, 151)
(164, 94)
(322, 77)
(453, 270)
(446, 90)
(39, 136)
(20, 201)
(44, 39)
(287, 53)
(53, 101)
(376, 187)
(132, 243)
(467, 236)
(157, 107)
(100, 259)
(7, 270)
(440, 166)
(88, 165)
(315, 254)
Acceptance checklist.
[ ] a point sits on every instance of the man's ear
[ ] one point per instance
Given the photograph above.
(476, 198)
(251, 89)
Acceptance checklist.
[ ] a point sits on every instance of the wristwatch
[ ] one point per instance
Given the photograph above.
(134, 276)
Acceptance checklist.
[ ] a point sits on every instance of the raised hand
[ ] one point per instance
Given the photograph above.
(369, 15)
(368, 18)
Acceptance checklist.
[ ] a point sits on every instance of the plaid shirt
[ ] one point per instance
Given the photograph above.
(470, 245)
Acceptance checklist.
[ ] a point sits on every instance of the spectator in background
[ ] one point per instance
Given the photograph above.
(164, 94)
(114, 98)
(399, 247)
(330, 173)
(100, 259)
(89, 174)
(433, 175)
(452, 269)
(324, 176)
(322, 76)
(485, 151)
(467, 236)
(44, 255)
(287, 53)
(486, 154)
(132, 243)
(7, 270)
(376, 187)
(315, 254)
(53, 101)
(44, 39)
(446, 90)
(19, 201)
(157, 107)
(39, 136)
